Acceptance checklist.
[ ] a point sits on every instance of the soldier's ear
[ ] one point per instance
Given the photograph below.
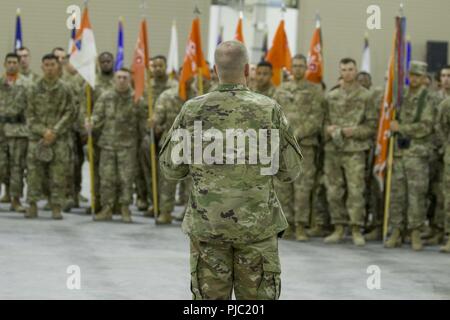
(247, 70)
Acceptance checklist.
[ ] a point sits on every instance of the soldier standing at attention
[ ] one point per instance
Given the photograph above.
(50, 115)
(233, 216)
(25, 70)
(120, 122)
(350, 126)
(263, 79)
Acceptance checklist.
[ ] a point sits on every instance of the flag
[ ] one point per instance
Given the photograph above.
(73, 34)
(120, 50)
(84, 53)
(408, 58)
(315, 58)
(140, 61)
(172, 61)
(194, 61)
(393, 97)
(239, 36)
(365, 64)
(18, 43)
(279, 54)
(220, 36)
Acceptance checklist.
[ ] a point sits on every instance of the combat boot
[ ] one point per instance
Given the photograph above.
(337, 236)
(56, 212)
(68, 205)
(446, 248)
(164, 218)
(416, 240)
(150, 213)
(436, 239)
(126, 214)
(32, 211)
(374, 235)
(7, 197)
(317, 231)
(358, 238)
(142, 205)
(300, 234)
(16, 205)
(288, 233)
(104, 215)
(395, 240)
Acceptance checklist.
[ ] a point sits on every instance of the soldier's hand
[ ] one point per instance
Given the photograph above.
(49, 137)
(347, 132)
(394, 126)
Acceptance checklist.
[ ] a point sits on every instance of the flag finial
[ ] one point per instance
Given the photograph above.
(18, 11)
(402, 7)
(197, 11)
(283, 9)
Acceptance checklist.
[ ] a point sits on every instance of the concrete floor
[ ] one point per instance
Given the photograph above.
(142, 261)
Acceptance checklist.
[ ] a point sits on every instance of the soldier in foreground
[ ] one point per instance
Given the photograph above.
(233, 216)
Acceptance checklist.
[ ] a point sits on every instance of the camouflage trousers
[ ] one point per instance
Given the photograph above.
(184, 190)
(446, 190)
(144, 178)
(252, 270)
(344, 178)
(320, 214)
(296, 197)
(374, 195)
(51, 175)
(410, 176)
(117, 173)
(436, 211)
(13, 153)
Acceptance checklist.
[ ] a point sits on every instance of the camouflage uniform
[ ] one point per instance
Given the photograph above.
(119, 122)
(50, 106)
(268, 92)
(233, 215)
(13, 135)
(301, 102)
(410, 174)
(345, 158)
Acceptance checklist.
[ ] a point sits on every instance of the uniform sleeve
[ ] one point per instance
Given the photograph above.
(33, 124)
(159, 116)
(170, 169)
(443, 123)
(98, 116)
(290, 154)
(367, 129)
(422, 128)
(314, 123)
(68, 116)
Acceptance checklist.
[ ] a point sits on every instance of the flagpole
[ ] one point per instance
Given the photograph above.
(90, 148)
(200, 68)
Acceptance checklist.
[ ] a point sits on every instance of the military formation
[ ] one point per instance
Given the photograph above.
(44, 129)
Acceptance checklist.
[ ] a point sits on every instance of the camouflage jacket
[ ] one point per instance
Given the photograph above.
(302, 103)
(443, 126)
(50, 106)
(160, 86)
(102, 83)
(436, 98)
(233, 202)
(119, 121)
(13, 104)
(418, 132)
(269, 92)
(350, 110)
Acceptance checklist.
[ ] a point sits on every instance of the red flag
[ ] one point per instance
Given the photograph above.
(279, 55)
(140, 61)
(239, 36)
(315, 59)
(194, 61)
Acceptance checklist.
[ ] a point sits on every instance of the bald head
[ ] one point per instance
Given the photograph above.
(231, 60)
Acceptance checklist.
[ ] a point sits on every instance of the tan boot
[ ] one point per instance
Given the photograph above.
(104, 215)
(300, 234)
(436, 239)
(374, 235)
(416, 240)
(337, 236)
(164, 218)
(317, 231)
(446, 248)
(6, 198)
(150, 213)
(56, 212)
(288, 233)
(126, 214)
(32, 211)
(358, 238)
(16, 205)
(395, 240)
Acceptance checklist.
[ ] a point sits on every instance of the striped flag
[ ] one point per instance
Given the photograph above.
(408, 58)
(73, 34)
(18, 43)
(120, 56)
(365, 64)
(172, 61)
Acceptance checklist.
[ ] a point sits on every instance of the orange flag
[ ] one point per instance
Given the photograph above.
(279, 55)
(194, 61)
(239, 36)
(140, 61)
(315, 59)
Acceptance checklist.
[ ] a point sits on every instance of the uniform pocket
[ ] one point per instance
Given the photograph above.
(195, 288)
(270, 286)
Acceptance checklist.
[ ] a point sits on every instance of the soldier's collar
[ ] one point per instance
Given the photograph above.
(231, 87)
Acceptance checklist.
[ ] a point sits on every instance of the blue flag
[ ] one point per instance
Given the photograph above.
(408, 59)
(120, 51)
(18, 38)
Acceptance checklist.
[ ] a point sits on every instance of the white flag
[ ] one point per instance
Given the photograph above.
(172, 61)
(365, 65)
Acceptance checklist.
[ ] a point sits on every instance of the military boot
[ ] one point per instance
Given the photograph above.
(7, 197)
(436, 239)
(300, 234)
(288, 233)
(32, 211)
(395, 240)
(104, 215)
(16, 205)
(374, 235)
(150, 213)
(126, 214)
(56, 212)
(142, 205)
(358, 238)
(68, 205)
(446, 248)
(337, 236)
(164, 218)
(317, 231)
(416, 240)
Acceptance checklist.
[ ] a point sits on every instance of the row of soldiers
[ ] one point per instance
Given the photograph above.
(43, 129)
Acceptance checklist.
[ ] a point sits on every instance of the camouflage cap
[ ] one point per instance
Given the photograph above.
(418, 67)
(44, 152)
